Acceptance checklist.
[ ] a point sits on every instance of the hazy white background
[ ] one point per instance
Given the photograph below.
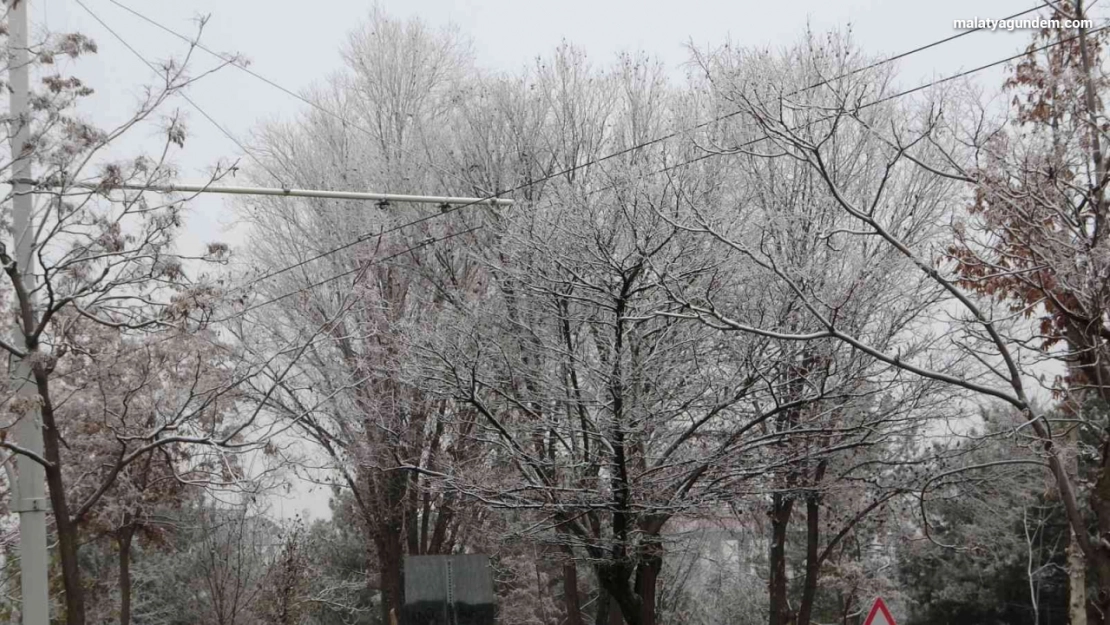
(297, 43)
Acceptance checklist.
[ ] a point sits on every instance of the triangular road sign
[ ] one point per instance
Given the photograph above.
(879, 615)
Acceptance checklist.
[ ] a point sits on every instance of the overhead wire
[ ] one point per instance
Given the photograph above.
(184, 95)
(238, 64)
(591, 162)
(362, 267)
(316, 105)
(574, 168)
(963, 74)
(752, 142)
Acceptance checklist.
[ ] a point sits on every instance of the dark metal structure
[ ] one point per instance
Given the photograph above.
(448, 590)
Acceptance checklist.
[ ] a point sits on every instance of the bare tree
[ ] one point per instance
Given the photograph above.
(121, 373)
(1024, 273)
(364, 295)
(230, 561)
(615, 414)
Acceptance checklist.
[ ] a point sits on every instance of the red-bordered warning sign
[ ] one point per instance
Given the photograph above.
(879, 614)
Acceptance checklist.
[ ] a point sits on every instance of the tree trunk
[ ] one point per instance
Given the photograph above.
(813, 537)
(64, 525)
(1077, 565)
(1097, 556)
(67, 548)
(123, 539)
(570, 594)
(392, 553)
(608, 611)
(647, 577)
(614, 612)
(1099, 551)
(390, 572)
(412, 507)
(648, 584)
(1099, 559)
(781, 505)
(625, 601)
(1077, 583)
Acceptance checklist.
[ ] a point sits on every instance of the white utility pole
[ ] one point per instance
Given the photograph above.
(30, 489)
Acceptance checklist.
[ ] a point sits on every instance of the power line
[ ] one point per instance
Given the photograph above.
(746, 144)
(665, 137)
(934, 44)
(275, 85)
(957, 76)
(155, 69)
(366, 266)
(357, 270)
(574, 168)
(360, 239)
(650, 142)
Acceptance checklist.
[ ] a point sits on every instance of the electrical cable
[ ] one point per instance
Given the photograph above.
(600, 159)
(357, 270)
(241, 66)
(670, 135)
(155, 69)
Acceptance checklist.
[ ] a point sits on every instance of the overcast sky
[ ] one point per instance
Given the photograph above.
(297, 43)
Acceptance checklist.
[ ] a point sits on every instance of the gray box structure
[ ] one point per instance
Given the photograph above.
(448, 590)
